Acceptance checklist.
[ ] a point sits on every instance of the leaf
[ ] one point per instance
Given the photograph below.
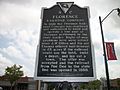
(13, 73)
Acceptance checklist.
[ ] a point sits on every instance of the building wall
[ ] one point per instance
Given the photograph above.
(23, 84)
(32, 84)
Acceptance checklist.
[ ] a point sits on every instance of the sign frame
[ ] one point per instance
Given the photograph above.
(69, 79)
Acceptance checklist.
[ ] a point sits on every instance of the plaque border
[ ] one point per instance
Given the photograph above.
(69, 79)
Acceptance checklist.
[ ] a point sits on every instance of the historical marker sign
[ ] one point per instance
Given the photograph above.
(65, 49)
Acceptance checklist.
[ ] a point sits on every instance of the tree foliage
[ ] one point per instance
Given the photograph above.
(13, 73)
(51, 86)
(83, 86)
(118, 82)
(94, 84)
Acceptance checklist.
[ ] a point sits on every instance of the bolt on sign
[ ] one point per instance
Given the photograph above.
(65, 50)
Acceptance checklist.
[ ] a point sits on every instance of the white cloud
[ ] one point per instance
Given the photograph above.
(15, 1)
(100, 70)
(12, 52)
(15, 56)
(4, 62)
(114, 69)
(17, 17)
(28, 71)
(20, 25)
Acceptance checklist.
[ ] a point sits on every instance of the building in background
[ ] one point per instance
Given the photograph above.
(24, 83)
(114, 84)
(28, 83)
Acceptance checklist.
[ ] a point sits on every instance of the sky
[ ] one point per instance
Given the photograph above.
(20, 29)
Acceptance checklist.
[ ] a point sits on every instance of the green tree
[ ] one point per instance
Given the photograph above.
(51, 86)
(118, 83)
(94, 84)
(103, 82)
(83, 86)
(13, 73)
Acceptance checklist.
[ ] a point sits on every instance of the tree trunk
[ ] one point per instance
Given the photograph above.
(11, 87)
(15, 86)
